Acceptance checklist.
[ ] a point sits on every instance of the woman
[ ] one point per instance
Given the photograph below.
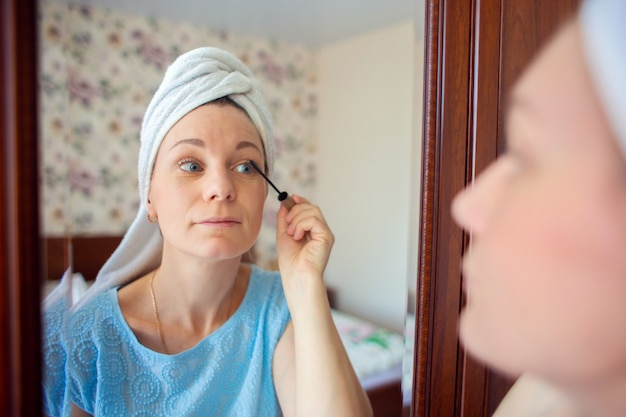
(176, 323)
(546, 271)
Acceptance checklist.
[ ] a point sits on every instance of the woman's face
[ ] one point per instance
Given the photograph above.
(545, 274)
(208, 198)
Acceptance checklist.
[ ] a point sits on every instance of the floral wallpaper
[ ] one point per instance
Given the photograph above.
(98, 71)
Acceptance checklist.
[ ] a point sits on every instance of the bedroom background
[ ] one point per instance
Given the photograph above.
(346, 134)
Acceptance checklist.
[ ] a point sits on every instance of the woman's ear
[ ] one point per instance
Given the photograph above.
(152, 214)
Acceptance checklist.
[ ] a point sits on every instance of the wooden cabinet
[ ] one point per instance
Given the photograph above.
(474, 51)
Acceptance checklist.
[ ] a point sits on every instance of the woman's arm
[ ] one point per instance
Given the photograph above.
(312, 372)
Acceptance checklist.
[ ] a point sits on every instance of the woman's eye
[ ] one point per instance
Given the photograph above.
(245, 168)
(190, 166)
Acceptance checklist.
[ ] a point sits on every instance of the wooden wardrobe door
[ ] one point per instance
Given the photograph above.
(474, 51)
(20, 243)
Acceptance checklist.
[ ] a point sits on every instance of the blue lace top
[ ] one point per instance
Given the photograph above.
(228, 373)
(54, 360)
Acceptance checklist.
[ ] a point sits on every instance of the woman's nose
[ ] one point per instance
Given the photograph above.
(472, 207)
(218, 185)
(464, 208)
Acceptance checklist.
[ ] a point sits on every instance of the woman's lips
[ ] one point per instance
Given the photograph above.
(224, 222)
(465, 274)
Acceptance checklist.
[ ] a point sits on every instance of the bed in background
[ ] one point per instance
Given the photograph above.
(376, 353)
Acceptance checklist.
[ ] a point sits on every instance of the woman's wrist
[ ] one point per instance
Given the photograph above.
(305, 294)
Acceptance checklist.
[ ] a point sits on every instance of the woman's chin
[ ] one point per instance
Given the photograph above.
(472, 336)
(217, 254)
(483, 345)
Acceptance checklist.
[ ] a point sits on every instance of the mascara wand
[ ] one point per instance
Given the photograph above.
(283, 197)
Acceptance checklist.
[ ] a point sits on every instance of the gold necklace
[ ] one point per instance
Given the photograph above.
(156, 313)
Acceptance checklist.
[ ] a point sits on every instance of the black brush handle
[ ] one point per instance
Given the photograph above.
(286, 200)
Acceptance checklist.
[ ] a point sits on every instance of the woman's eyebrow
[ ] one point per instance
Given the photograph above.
(522, 105)
(513, 102)
(190, 141)
(247, 144)
(200, 143)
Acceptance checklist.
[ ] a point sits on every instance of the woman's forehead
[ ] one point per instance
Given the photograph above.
(554, 96)
(214, 123)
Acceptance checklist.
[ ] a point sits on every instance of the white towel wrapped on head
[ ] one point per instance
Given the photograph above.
(604, 41)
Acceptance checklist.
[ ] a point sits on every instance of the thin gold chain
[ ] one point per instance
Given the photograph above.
(156, 313)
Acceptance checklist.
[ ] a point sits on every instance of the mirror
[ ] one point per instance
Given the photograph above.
(344, 98)
(451, 29)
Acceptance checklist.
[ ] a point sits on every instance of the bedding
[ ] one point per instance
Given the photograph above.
(372, 349)
(377, 355)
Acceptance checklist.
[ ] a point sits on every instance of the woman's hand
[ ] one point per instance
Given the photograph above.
(318, 377)
(303, 239)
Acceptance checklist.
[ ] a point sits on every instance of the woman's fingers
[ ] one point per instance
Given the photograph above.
(305, 218)
(303, 236)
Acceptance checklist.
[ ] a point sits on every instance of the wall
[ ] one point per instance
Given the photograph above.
(366, 168)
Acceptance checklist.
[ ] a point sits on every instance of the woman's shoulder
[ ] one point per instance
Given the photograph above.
(265, 289)
(90, 314)
(270, 274)
(104, 298)
(264, 281)
(265, 302)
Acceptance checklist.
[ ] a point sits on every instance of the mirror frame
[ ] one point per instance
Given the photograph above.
(20, 244)
(461, 131)
(438, 359)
